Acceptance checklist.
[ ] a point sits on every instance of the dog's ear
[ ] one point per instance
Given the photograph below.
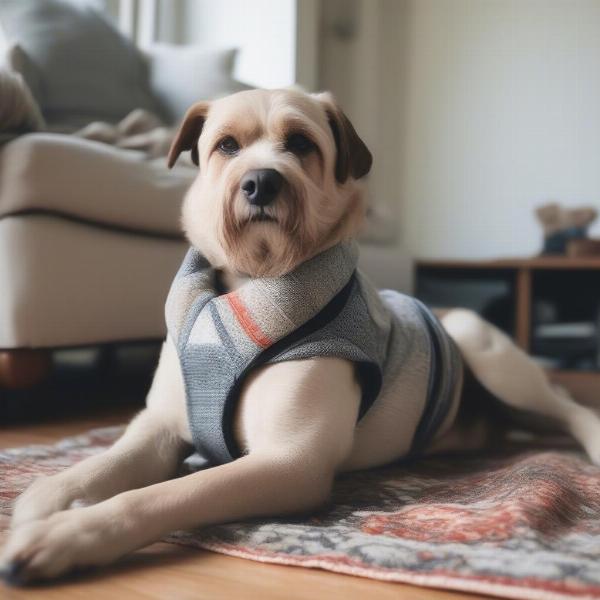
(353, 158)
(189, 133)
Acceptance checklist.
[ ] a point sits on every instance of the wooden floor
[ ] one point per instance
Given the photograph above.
(170, 572)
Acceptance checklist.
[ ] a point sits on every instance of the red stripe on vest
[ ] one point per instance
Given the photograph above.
(246, 321)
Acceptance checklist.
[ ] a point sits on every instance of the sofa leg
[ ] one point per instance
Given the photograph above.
(24, 368)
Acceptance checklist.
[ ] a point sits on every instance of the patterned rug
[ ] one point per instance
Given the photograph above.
(519, 525)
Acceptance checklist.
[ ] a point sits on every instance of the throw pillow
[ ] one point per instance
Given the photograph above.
(182, 75)
(80, 67)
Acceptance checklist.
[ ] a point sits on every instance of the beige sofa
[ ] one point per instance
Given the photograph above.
(89, 240)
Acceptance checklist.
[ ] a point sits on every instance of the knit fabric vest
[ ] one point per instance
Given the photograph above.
(325, 307)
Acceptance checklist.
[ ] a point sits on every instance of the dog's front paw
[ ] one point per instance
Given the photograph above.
(50, 547)
(44, 497)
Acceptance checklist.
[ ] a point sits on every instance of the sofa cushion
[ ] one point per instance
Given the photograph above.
(182, 75)
(80, 67)
(45, 173)
(74, 285)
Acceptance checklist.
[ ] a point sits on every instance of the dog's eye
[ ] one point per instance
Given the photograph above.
(298, 144)
(228, 145)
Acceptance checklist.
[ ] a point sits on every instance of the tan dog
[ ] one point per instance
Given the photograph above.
(296, 420)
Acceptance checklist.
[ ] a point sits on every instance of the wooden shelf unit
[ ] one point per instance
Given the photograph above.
(585, 385)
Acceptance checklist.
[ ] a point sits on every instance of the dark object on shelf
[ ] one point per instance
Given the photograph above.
(563, 225)
(556, 243)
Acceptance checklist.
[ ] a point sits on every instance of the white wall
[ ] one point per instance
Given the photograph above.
(264, 30)
(362, 57)
(502, 113)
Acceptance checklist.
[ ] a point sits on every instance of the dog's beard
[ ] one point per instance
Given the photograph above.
(272, 240)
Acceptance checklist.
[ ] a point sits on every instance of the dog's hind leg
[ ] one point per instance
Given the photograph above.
(515, 379)
(149, 451)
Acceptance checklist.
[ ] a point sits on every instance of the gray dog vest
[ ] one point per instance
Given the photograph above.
(325, 307)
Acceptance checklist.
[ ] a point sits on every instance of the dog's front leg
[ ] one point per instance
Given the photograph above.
(101, 533)
(301, 435)
(149, 451)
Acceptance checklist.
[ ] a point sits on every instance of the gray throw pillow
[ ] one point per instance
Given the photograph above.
(182, 75)
(79, 67)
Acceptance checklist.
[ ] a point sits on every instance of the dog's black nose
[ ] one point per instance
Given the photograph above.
(261, 186)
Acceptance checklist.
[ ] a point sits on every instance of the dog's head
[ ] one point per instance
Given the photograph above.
(277, 182)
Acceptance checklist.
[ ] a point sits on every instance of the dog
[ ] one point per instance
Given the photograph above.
(276, 202)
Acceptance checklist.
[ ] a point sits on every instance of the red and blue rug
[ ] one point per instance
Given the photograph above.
(524, 524)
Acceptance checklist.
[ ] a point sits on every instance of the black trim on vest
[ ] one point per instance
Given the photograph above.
(218, 283)
(370, 378)
(369, 373)
(435, 410)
